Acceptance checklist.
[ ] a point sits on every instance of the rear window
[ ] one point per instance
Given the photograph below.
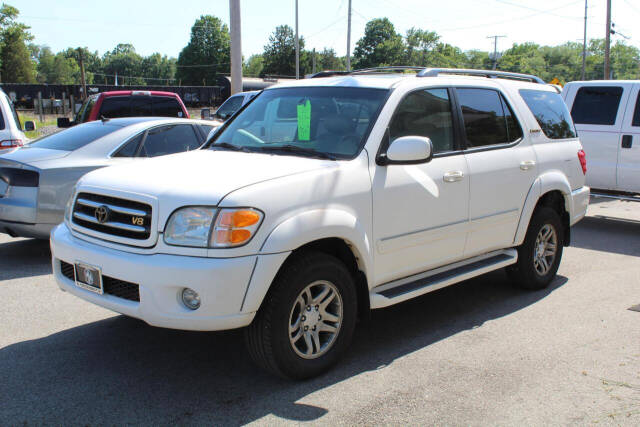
(115, 106)
(551, 113)
(141, 106)
(596, 105)
(167, 107)
(75, 137)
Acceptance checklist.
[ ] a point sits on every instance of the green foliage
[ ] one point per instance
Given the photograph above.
(380, 45)
(206, 54)
(327, 60)
(16, 64)
(253, 66)
(56, 68)
(279, 55)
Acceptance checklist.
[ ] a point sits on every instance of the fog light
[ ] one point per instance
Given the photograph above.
(190, 298)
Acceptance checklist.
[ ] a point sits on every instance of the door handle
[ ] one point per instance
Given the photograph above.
(527, 164)
(627, 141)
(453, 176)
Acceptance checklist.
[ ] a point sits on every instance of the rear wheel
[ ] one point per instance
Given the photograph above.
(540, 254)
(307, 319)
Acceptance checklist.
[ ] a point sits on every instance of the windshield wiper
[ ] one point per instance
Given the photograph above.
(289, 148)
(228, 146)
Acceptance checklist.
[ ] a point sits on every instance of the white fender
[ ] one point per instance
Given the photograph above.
(297, 231)
(549, 181)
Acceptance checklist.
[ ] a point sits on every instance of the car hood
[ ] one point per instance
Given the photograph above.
(202, 177)
(31, 155)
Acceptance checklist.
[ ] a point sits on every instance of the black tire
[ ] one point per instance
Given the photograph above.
(268, 339)
(524, 273)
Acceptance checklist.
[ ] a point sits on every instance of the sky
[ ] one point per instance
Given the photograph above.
(164, 26)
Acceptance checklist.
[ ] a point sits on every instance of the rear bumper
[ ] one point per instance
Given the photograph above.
(580, 201)
(20, 229)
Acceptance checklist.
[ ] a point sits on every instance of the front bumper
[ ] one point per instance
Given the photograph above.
(221, 283)
(580, 200)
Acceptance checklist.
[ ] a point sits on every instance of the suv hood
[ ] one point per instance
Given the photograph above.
(202, 177)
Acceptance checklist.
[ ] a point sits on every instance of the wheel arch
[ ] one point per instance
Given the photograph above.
(553, 190)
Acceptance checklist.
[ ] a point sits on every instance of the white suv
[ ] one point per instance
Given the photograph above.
(325, 198)
(11, 132)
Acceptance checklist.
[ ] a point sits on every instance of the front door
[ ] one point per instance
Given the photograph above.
(420, 212)
(629, 146)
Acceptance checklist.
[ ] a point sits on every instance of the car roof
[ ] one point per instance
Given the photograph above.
(135, 92)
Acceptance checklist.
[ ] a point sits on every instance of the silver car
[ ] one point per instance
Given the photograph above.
(37, 180)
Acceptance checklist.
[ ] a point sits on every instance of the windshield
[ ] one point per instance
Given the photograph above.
(322, 121)
(85, 109)
(75, 137)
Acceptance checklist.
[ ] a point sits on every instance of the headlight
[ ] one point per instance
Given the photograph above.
(194, 226)
(189, 227)
(235, 227)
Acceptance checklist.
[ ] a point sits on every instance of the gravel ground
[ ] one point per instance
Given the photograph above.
(477, 353)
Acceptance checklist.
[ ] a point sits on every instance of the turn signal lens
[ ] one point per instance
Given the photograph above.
(582, 157)
(235, 227)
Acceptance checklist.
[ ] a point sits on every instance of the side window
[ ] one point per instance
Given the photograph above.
(425, 113)
(85, 109)
(168, 140)
(206, 129)
(636, 113)
(115, 106)
(488, 120)
(140, 106)
(164, 106)
(550, 112)
(2, 125)
(596, 105)
(130, 148)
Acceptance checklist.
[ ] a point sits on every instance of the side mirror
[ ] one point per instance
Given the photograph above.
(205, 114)
(64, 122)
(408, 150)
(29, 126)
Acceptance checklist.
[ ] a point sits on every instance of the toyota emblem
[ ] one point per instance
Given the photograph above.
(102, 214)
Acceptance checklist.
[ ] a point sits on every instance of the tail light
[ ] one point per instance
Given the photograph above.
(10, 143)
(582, 156)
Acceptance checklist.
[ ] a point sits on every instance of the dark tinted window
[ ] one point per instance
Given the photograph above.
(488, 120)
(425, 113)
(1, 120)
(115, 106)
(596, 105)
(130, 148)
(230, 106)
(141, 106)
(206, 129)
(636, 113)
(168, 140)
(551, 113)
(164, 106)
(13, 112)
(75, 137)
(85, 109)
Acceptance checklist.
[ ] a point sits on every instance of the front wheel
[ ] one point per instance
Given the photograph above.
(307, 319)
(540, 254)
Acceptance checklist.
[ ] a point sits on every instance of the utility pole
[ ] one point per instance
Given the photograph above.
(495, 49)
(82, 80)
(236, 47)
(584, 43)
(314, 61)
(297, 46)
(349, 38)
(607, 44)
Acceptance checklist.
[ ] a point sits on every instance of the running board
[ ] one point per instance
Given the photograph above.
(625, 197)
(419, 284)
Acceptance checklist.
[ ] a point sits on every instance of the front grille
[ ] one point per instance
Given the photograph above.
(114, 216)
(116, 287)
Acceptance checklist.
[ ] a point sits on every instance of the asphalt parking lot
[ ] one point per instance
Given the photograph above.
(480, 352)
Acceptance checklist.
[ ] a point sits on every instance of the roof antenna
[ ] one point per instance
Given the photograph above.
(104, 119)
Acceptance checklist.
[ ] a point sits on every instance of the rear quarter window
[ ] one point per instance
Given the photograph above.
(596, 105)
(550, 112)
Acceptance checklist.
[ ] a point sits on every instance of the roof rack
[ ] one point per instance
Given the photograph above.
(492, 74)
(434, 72)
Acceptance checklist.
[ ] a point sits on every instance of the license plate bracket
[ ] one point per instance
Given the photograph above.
(88, 277)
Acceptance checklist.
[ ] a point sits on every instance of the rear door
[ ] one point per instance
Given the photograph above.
(628, 171)
(598, 112)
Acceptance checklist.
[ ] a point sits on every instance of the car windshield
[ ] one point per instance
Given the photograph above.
(329, 122)
(75, 137)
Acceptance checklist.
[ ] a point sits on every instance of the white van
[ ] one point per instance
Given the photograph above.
(607, 118)
(11, 134)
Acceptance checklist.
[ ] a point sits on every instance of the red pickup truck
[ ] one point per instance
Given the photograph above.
(128, 103)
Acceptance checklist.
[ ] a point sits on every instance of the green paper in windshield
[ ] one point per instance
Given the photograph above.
(304, 121)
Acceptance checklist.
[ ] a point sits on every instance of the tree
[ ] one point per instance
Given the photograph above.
(380, 45)
(158, 69)
(126, 63)
(279, 55)
(419, 44)
(16, 65)
(327, 60)
(56, 68)
(253, 66)
(207, 53)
